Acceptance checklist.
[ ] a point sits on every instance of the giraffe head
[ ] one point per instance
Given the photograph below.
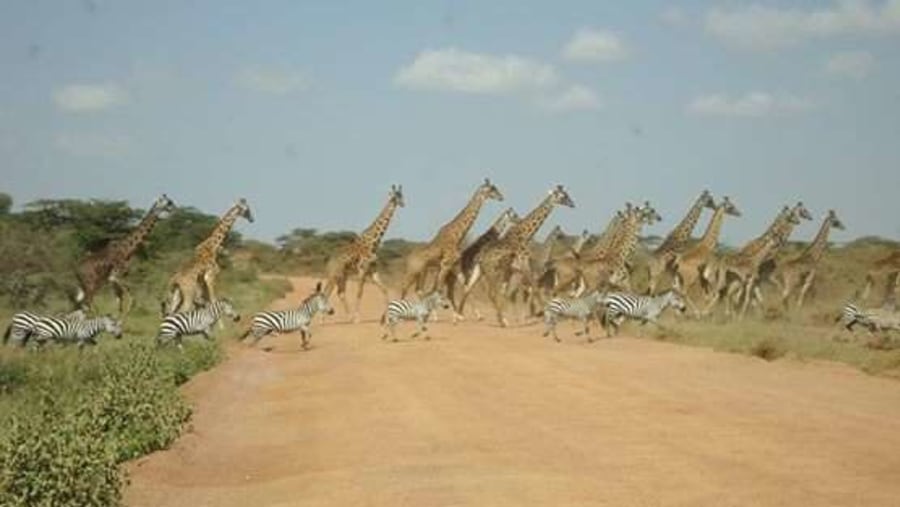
(728, 207)
(793, 217)
(164, 204)
(648, 214)
(801, 211)
(560, 197)
(706, 200)
(834, 221)
(244, 210)
(556, 233)
(396, 196)
(488, 190)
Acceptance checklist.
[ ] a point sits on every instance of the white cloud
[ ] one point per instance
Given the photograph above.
(276, 81)
(81, 98)
(853, 64)
(751, 105)
(759, 27)
(589, 45)
(461, 71)
(573, 98)
(94, 144)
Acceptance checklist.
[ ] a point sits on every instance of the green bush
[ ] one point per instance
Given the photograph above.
(58, 457)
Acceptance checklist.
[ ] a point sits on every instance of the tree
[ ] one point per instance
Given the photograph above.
(6, 203)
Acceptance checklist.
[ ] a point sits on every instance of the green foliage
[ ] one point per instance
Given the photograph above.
(93, 223)
(182, 230)
(58, 456)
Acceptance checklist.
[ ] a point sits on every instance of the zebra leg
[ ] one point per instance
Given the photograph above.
(420, 326)
(304, 337)
(586, 321)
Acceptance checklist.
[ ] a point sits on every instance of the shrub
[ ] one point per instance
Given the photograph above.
(57, 457)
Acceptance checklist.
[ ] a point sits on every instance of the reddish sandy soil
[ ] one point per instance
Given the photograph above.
(493, 417)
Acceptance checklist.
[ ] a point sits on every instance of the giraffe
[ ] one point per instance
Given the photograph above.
(500, 262)
(445, 248)
(677, 240)
(466, 263)
(888, 268)
(195, 281)
(687, 266)
(540, 257)
(563, 273)
(576, 247)
(800, 271)
(111, 263)
(737, 273)
(780, 230)
(359, 257)
(611, 268)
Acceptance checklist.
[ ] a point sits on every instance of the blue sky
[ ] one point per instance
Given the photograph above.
(311, 110)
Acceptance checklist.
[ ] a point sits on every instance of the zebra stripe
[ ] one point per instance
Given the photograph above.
(287, 321)
(420, 311)
(879, 319)
(83, 331)
(194, 322)
(620, 306)
(578, 308)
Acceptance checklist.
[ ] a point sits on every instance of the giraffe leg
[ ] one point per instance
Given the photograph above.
(787, 287)
(123, 296)
(807, 283)
(474, 276)
(209, 283)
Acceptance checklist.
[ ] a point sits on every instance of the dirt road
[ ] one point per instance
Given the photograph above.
(501, 417)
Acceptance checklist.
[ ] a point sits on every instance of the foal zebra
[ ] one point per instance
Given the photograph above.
(83, 331)
(22, 325)
(286, 321)
(420, 311)
(199, 321)
(582, 308)
(620, 306)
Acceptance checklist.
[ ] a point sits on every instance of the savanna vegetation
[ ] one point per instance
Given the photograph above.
(69, 418)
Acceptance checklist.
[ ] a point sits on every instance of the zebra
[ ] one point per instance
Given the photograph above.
(83, 331)
(286, 321)
(582, 308)
(22, 325)
(199, 321)
(420, 311)
(876, 319)
(620, 305)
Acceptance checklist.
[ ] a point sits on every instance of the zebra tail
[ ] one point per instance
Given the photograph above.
(6, 334)
(246, 334)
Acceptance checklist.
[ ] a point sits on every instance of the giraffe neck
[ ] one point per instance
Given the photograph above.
(547, 247)
(372, 236)
(627, 239)
(682, 232)
(523, 232)
(710, 238)
(816, 249)
(457, 229)
(579, 244)
(759, 242)
(606, 237)
(214, 241)
(129, 244)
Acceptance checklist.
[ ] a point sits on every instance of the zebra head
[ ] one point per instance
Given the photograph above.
(318, 302)
(111, 326)
(436, 300)
(674, 299)
(226, 308)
